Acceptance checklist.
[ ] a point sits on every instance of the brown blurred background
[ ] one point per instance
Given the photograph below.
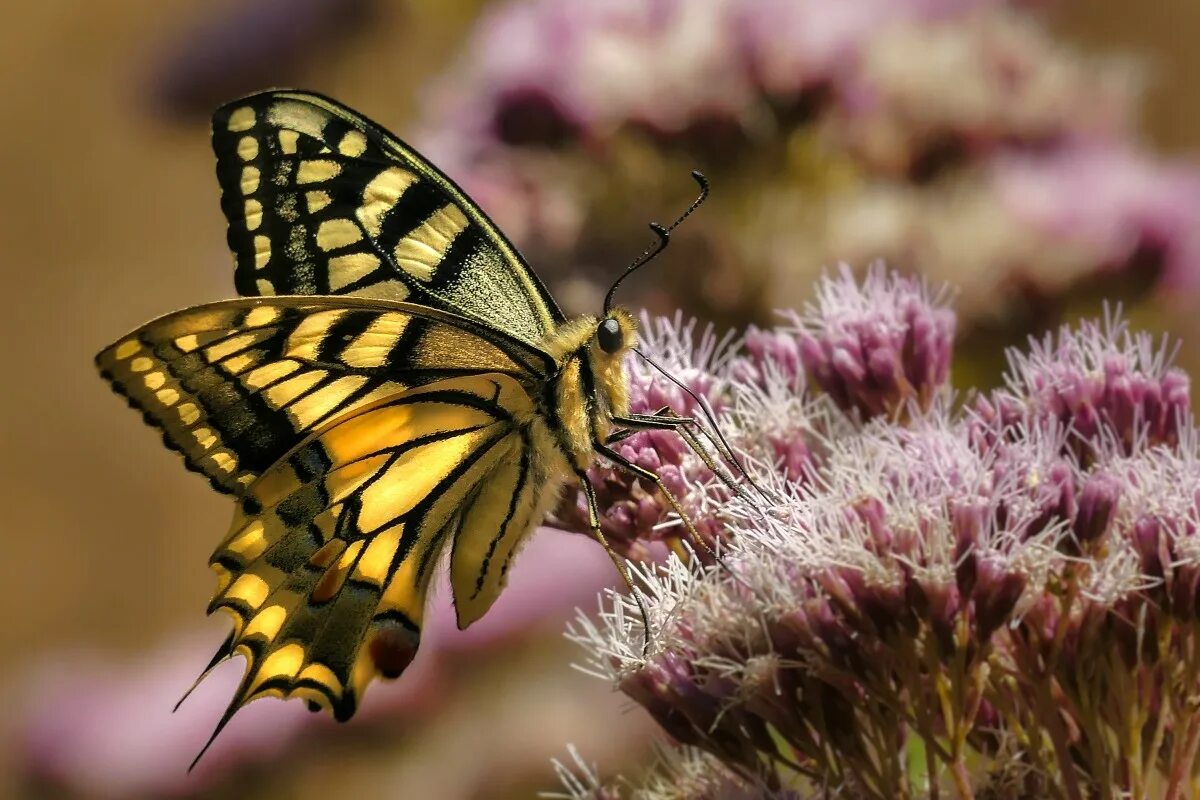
(110, 216)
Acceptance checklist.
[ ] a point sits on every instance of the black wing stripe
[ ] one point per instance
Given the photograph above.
(465, 248)
(418, 203)
(341, 333)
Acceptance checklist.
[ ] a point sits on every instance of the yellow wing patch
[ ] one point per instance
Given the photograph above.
(494, 522)
(420, 253)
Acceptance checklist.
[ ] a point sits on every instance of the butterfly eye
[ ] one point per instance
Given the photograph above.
(609, 336)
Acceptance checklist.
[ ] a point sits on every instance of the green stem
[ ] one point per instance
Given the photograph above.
(1182, 763)
(1183, 758)
(1053, 719)
(962, 780)
(1049, 714)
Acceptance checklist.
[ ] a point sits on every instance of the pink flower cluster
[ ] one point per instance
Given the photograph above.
(992, 597)
(544, 73)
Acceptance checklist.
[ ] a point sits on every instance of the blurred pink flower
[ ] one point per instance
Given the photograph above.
(543, 72)
(791, 46)
(1014, 87)
(831, 131)
(1112, 201)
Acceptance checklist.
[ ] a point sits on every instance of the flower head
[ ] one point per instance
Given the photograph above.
(1100, 380)
(877, 346)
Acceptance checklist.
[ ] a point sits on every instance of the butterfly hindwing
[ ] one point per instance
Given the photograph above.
(234, 385)
(321, 200)
(516, 497)
(330, 553)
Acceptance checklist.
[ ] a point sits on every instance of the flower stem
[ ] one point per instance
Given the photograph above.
(1182, 763)
(962, 780)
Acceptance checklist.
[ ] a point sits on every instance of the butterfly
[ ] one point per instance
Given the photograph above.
(395, 383)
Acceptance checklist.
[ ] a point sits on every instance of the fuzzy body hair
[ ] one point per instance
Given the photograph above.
(590, 387)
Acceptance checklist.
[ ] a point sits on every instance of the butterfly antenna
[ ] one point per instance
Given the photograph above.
(706, 409)
(664, 238)
(699, 178)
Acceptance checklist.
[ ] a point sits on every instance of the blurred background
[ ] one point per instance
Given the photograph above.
(1040, 156)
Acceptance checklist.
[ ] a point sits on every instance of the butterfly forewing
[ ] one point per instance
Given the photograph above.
(321, 200)
(234, 385)
(327, 562)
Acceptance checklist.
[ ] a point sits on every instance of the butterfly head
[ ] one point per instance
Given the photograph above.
(602, 341)
(615, 334)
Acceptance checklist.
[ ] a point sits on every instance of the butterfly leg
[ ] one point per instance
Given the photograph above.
(658, 420)
(621, 435)
(642, 472)
(633, 423)
(594, 523)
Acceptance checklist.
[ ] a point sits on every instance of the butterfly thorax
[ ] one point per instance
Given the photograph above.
(590, 385)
